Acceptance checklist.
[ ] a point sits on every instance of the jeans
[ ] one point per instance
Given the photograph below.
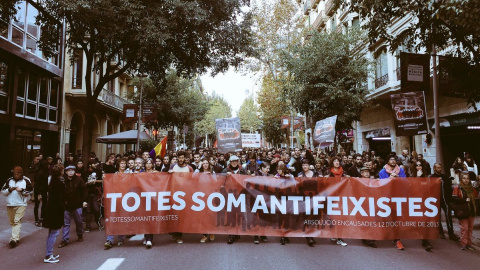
(15, 215)
(120, 238)
(93, 209)
(52, 235)
(77, 217)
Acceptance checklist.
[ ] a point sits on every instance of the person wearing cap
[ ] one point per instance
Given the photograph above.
(233, 168)
(17, 189)
(75, 200)
(365, 173)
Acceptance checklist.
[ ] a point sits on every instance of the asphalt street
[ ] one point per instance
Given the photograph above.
(244, 254)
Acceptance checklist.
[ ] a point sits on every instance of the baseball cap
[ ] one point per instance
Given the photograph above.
(233, 157)
(70, 167)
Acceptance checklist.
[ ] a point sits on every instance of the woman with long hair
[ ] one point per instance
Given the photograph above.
(205, 167)
(284, 176)
(150, 166)
(467, 194)
(336, 170)
(457, 168)
(55, 208)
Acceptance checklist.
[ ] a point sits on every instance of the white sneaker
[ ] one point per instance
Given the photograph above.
(148, 244)
(341, 243)
(179, 241)
(51, 259)
(204, 239)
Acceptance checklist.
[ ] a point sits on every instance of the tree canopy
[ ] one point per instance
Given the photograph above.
(218, 108)
(143, 36)
(247, 113)
(328, 77)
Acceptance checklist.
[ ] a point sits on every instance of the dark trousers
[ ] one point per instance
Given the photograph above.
(43, 193)
(448, 218)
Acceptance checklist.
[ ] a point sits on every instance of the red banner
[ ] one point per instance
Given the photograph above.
(405, 208)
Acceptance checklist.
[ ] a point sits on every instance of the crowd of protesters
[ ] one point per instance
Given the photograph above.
(72, 190)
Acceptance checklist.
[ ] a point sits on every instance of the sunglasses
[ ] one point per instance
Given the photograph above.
(419, 164)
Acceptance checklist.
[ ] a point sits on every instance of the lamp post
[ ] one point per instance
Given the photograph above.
(141, 76)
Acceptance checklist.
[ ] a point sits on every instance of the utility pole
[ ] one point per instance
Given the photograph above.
(139, 113)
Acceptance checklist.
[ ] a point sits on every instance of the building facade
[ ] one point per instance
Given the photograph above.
(31, 87)
(376, 130)
(108, 111)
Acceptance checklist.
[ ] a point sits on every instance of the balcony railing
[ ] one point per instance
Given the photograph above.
(329, 7)
(306, 7)
(320, 20)
(113, 100)
(379, 82)
(315, 3)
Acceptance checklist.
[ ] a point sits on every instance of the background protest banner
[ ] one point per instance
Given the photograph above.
(406, 208)
(325, 132)
(228, 135)
(251, 140)
(409, 113)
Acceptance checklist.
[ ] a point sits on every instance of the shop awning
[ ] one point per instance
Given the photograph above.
(125, 137)
(462, 119)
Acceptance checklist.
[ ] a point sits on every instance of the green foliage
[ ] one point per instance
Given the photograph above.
(450, 25)
(248, 115)
(147, 145)
(272, 108)
(179, 101)
(328, 77)
(218, 108)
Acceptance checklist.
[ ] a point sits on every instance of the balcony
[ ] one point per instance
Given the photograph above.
(315, 3)
(306, 7)
(379, 82)
(329, 8)
(320, 20)
(106, 99)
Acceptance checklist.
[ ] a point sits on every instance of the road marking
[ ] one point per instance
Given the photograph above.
(111, 264)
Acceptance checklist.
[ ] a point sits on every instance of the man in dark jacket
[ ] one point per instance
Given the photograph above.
(75, 200)
(354, 170)
(445, 201)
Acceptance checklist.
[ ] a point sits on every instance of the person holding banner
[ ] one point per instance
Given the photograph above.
(205, 167)
(281, 174)
(392, 170)
(466, 193)
(307, 173)
(233, 168)
(180, 166)
(337, 171)
(122, 168)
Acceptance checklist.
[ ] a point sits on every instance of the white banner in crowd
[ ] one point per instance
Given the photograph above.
(251, 140)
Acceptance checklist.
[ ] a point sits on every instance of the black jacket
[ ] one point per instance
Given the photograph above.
(75, 193)
(447, 189)
(53, 218)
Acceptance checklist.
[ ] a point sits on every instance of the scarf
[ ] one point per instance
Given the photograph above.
(337, 173)
(390, 171)
(470, 191)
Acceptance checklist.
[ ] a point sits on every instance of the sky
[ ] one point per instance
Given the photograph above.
(232, 85)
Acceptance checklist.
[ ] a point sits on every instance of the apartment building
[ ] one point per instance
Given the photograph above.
(376, 130)
(108, 111)
(31, 87)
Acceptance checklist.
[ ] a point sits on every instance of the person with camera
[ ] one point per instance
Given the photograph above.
(17, 189)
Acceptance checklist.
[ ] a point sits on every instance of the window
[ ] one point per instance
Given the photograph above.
(77, 69)
(356, 23)
(381, 63)
(26, 33)
(39, 100)
(3, 87)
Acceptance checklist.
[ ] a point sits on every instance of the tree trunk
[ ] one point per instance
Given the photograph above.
(88, 130)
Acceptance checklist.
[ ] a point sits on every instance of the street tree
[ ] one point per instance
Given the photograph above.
(328, 77)
(179, 101)
(218, 108)
(248, 114)
(272, 107)
(142, 36)
(449, 25)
